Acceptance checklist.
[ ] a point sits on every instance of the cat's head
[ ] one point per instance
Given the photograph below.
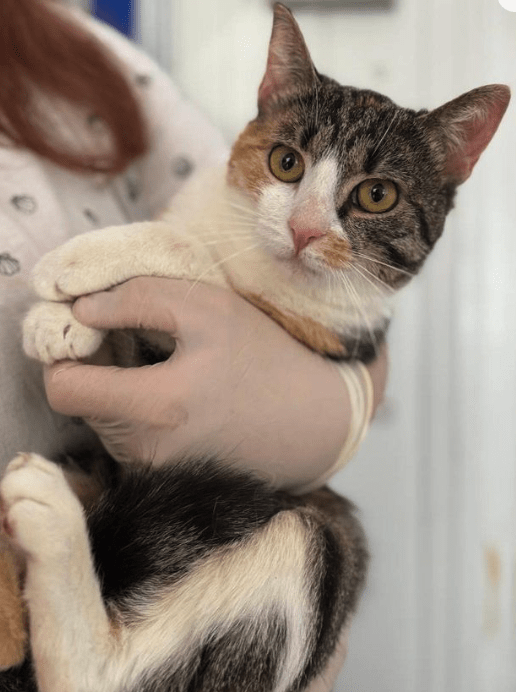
(343, 178)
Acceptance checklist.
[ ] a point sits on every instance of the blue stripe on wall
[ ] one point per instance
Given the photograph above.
(118, 13)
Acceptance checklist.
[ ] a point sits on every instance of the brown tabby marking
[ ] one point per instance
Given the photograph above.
(369, 99)
(304, 329)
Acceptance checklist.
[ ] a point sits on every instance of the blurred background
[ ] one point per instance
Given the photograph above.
(436, 479)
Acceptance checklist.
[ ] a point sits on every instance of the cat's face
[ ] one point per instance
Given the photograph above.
(344, 181)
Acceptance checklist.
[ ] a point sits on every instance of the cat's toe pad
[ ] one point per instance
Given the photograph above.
(51, 333)
(41, 514)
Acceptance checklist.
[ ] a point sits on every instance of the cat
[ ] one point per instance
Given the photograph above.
(331, 201)
(207, 579)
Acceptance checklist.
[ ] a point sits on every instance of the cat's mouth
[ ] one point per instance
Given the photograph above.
(309, 264)
(325, 254)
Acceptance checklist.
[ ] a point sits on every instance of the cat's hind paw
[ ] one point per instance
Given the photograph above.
(41, 514)
(51, 333)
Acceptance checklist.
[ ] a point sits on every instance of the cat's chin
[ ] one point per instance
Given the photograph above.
(299, 266)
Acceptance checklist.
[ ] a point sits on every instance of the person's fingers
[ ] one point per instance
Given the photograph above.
(112, 393)
(162, 304)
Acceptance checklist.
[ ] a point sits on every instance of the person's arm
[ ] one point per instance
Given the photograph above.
(237, 385)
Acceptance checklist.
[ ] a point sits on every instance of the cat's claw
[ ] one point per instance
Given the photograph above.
(41, 514)
(51, 333)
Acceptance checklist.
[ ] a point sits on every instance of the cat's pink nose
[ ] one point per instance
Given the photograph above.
(303, 236)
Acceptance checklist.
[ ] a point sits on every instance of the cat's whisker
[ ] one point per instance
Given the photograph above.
(382, 138)
(214, 266)
(235, 223)
(241, 209)
(226, 234)
(375, 278)
(236, 232)
(380, 286)
(352, 296)
(357, 302)
(384, 264)
(220, 241)
(238, 220)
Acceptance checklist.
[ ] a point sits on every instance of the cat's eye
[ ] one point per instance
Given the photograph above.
(376, 196)
(286, 164)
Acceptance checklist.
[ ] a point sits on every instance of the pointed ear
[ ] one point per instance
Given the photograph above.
(288, 64)
(467, 124)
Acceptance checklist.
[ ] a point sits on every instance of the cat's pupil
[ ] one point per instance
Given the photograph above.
(378, 192)
(288, 162)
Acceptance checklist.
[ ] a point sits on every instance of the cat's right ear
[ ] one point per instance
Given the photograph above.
(468, 124)
(289, 65)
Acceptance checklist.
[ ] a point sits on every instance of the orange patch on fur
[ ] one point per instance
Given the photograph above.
(304, 329)
(247, 168)
(336, 251)
(13, 633)
(367, 100)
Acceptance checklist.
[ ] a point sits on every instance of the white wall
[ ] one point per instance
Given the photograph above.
(436, 480)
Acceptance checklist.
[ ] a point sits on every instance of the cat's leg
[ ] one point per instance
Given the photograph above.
(72, 637)
(51, 333)
(101, 259)
(96, 261)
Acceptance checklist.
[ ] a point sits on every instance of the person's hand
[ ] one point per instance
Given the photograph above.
(237, 385)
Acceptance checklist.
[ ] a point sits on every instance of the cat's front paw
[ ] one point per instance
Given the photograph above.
(41, 514)
(69, 270)
(51, 333)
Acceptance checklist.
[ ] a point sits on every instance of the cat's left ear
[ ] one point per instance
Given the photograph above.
(467, 124)
(289, 65)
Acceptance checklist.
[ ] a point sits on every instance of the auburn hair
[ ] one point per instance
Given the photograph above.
(43, 53)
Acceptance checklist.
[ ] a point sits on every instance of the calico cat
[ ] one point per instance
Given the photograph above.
(196, 577)
(331, 201)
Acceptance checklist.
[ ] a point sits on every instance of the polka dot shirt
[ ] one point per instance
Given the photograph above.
(41, 205)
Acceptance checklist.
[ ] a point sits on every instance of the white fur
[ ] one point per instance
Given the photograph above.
(214, 234)
(74, 644)
(68, 623)
(52, 333)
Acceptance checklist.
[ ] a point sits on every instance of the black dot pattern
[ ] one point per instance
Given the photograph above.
(9, 265)
(182, 167)
(143, 80)
(133, 189)
(92, 218)
(24, 204)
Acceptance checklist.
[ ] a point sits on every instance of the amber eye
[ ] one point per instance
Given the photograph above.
(286, 164)
(376, 196)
